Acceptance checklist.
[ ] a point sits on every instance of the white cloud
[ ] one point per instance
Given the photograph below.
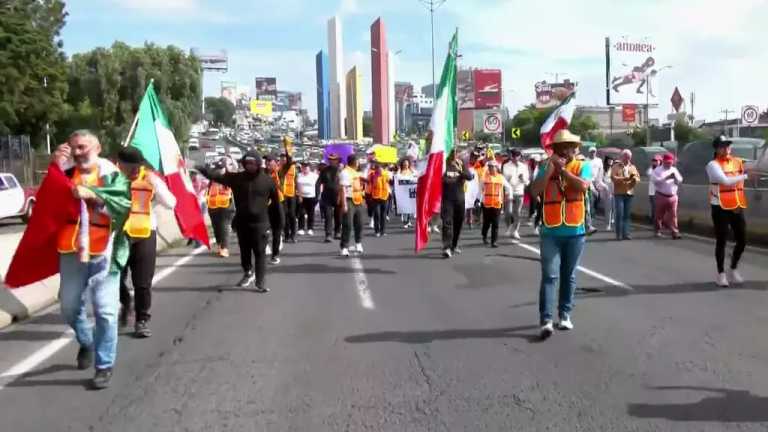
(187, 9)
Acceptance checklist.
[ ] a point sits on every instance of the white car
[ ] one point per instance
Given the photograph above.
(235, 152)
(193, 144)
(15, 201)
(211, 157)
(220, 150)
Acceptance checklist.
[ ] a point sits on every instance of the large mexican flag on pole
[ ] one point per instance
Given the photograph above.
(429, 189)
(155, 140)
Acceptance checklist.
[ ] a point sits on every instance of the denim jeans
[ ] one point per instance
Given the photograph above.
(559, 259)
(623, 215)
(94, 279)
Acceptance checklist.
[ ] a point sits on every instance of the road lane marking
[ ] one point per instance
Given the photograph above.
(585, 270)
(52, 347)
(361, 282)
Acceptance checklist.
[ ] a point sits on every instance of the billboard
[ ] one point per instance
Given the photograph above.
(487, 88)
(229, 91)
(216, 60)
(628, 113)
(549, 95)
(465, 89)
(266, 88)
(632, 71)
(261, 107)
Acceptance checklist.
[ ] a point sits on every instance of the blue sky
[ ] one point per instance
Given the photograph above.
(715, 47)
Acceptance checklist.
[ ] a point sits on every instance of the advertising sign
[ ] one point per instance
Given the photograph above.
(550, 95)
(487, 88)
(266, 88)
(629, 113)
(261, 108)
(492, 123)
(216, 60)
(750, 115)
(633, 67)
(465, 86)
(229, 91)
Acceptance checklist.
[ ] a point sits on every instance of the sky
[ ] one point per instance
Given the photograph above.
(715, 48)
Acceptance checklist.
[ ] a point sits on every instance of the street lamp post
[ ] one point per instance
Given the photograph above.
(47, 123)
(433, 5)
(647, 107)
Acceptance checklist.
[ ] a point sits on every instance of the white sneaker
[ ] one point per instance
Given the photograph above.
(721, 280)
(547, 329)
(371, 223)
(300, 232)
(736, 277)
(516, 235)
(508, 232)
(609, 227)
(359, 248)
(447, 253)
(281, 245)
(529, 223)
(344, 252)
(436, 229)
(268, 250)
(310, 233)
(378, 234)
(565, 323)
(536, 230)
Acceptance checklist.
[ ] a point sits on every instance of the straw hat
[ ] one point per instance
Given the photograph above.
(565, 136)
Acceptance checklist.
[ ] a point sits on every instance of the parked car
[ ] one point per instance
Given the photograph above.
(193, 144)
(235, 152)
(220, 149)
(211, 157)
(15, 200)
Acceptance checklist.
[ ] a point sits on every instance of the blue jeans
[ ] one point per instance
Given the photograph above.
(559, 259)
(78, 280)
(623, 214)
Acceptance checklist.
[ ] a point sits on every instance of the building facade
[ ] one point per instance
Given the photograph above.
(323, 96)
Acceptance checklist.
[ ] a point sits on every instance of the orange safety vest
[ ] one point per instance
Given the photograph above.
(562, 203)
(289, 182)
(733, 196)
(379, 185)
(276, 178)
(358, 191)
(492, 189)
(139, 223)
(219, 196)
(100, 223)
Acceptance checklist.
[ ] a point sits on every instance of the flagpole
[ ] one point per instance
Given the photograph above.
(136, 118)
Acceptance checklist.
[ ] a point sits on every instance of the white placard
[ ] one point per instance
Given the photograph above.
(405, 194)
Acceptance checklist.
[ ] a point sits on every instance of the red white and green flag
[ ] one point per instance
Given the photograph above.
(559, 119)
(429, 189)
(155, 140)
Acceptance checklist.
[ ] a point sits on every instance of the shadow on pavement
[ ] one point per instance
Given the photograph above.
(725, 407)
(427, 336)
(594, 292)
(26, 335)
(23, 381)
(313, 268)
(46, 319)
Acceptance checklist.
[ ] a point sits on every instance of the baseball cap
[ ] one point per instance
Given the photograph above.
(721, 141)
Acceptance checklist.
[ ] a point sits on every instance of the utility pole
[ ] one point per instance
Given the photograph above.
(432, 6)
(726, 112)
(47, 123)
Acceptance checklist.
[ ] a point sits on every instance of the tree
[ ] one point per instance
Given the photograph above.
(221, 109)
(685, 133)
(638, 135)
(586, 127)
(529, 120)
(33, 69)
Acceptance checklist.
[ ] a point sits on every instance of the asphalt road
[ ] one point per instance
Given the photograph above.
(395, 341)
(11, 225)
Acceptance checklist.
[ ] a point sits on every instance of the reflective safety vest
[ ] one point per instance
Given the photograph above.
(289, 182)
(358, 191)
(731, 197)
(139, 223)
(492, 190)
(563, 204)
(219, 196)
(100, 224)
(379, 185)
(276, 179)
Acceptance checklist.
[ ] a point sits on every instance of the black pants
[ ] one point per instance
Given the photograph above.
(379, 216)
(332, 220)
(723, 219)
(141, 264)
(491, 220)
(289, 208)
(253, 244)
(307, 209)
(221, 219)
(353, 219)
(452, 214)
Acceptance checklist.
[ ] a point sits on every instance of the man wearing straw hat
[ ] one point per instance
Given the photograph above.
(563, 184)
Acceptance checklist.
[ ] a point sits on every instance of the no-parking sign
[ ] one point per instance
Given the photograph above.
(750, 115)
(492, 123)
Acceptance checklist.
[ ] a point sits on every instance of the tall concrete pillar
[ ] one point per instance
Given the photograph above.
(391, 93)
(354, 105)
(323, 96)
(336, 66)
(380, 83)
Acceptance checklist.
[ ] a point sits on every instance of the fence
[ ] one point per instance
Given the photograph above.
(19, 158)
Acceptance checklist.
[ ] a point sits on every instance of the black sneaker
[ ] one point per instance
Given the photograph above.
(247, 280)
(494, 245)
(262, 289)
(337, 236)
(485, 241)
(122, 318)
(102, 378)
(141, 329)
(275, 260)
(84, 358)
(327, 239)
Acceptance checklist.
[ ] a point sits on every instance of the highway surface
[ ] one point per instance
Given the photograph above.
(393, 341)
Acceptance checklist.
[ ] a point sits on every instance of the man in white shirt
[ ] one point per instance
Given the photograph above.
(595, 186)
(517, 175)
(306, 181)
(655, 163)
(666, 179)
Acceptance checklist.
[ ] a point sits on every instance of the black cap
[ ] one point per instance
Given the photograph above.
(515, 152)
(251, 155)
(130, 155)
(721, 141)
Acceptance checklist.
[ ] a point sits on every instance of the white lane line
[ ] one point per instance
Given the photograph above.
(366, 299)
(52, 347)
(585, 270)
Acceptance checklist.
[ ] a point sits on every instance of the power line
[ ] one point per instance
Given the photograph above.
(432, 6)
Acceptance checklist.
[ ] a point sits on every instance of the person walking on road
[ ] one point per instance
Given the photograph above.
(256, 199)
(407, 171)
(607, 194)
(352, 206)
(305, 183)
(624, 176)
(655, 163)
(728, 201)
(221, 209)
(90, 271)
(141, 228)
(276, 218)
(378, 181)
(327, 189)
(596, 184)
(517, 175)
(495, 190)
(287, 175)
(563, 183)
(666, 179)
(452, 207)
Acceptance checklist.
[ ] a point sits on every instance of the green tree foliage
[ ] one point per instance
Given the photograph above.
(30, 54)
(685, 133)
(221, 110)
(638, 136)
(106, 86)
(530, 119)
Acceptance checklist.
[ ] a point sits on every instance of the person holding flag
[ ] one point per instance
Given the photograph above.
(287, 174)
(141, 228)
(452, 206)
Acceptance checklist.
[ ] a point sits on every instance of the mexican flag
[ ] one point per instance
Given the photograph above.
(429, 189)
(155, 140)
(559, 119)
